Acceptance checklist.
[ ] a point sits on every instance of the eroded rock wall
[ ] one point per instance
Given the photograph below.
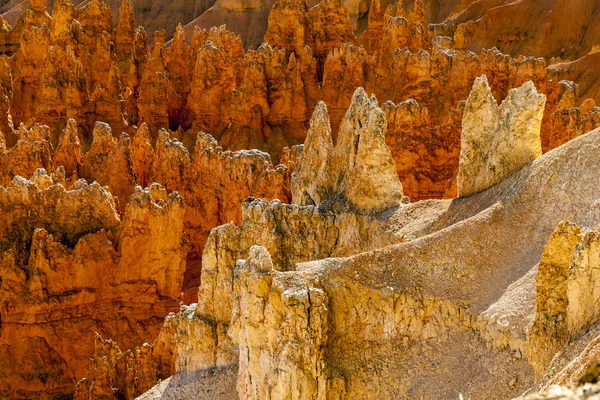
(264, 98)
(70, 271)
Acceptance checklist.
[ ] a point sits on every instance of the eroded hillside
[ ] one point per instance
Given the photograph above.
(291, 200)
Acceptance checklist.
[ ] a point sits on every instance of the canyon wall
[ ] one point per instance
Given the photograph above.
(264, 98)
(149, 227)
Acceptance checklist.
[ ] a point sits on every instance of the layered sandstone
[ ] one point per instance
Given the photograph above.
(363, 193)
(116, 77)
(96, 252)
(507, 26)
(334, 284)
(64, 261)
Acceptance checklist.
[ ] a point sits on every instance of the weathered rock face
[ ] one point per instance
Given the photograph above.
(487, 25)
(214, 182)
(296, 233)
(566, 307)
(359, 168)
(299, 318)
(569, 121)
(272, 106)
(178, 118)
(564, 392)
(426, 155)
(264, 99)
(32, 151)
(152, 15)
(498, 140)
(108, 162)
(362, 167)
(68, 253)
(147, 240)
(133, 371)
(215, 185)
(143, 238)
(362, 302)
(68, 151)
(262, 311)
(347, 219)
(212, 83)
(39, 203)
(313, 182)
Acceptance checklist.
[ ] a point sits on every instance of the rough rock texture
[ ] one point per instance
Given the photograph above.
(264, 98)
(212, 384)
(498, 140)
(153, 84)
(301, 232)
(360, 166)
(566, 305)
(152, 15)
(214, 182)
(563, 308)
(261, 311)
(565, 393)
(426, 155)
(313, 182)
(66, 253)
(509, 26)
(374, 324)
(432, 291)
(337, 225)
(112, 368)
(472, 307)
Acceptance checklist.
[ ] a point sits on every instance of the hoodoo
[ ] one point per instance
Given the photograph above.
(299, 199)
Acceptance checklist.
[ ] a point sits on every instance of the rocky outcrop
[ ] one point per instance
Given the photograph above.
(273, 104)
(214, 182)
(487, 25)
(263, 310)
(116, 373)
(67, 253)
(498, 140)
(108, 162)
(223, 180)
(291, 320)
(33, 150)
(142, 156)
(40, 203)
(323, 28)
(353, 292)
(562, 392)
(359, 168)
(68, 151)
(211, 89)
(262, 99)
(361, 293)
(146, 240)
(566, 308)
(336, 224)
(313, 182)
(362, 168)
(571, 119)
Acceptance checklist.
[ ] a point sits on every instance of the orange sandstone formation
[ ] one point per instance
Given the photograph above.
(93, 112)
(264, 98)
